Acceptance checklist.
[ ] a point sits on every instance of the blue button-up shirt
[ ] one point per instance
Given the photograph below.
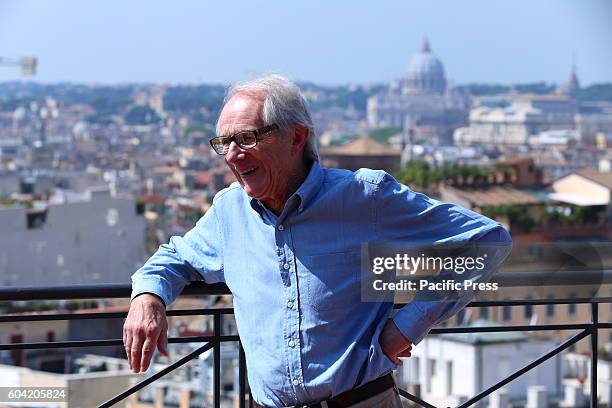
(295, 278)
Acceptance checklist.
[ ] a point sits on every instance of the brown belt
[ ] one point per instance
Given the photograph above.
(351, 397)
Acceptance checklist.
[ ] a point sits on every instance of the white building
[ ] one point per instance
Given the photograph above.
(452, 368)
(577, 373)
(97, 380)
(421, 102)
(554, 138)
(88, 238)
(593, 119)
(528, 115)
(516, 119)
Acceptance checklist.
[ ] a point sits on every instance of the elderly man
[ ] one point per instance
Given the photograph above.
(286, 240)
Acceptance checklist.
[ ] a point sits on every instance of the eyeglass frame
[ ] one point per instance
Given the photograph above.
(257, 132)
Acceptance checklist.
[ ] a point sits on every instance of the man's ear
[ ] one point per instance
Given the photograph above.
(300, 136)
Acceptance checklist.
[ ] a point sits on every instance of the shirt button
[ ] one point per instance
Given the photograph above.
(281, 227)
(291, 343)
(296, 382)
(289, 304)
(286, 266)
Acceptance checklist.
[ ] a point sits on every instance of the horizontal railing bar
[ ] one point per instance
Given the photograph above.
(535, 302)
(181, 312)
(157, 375)
(539, 278)
(535, 327)
(228, 338)
(108, 342)
(553, 278)
(105, 291)
(99, 291)
(566, 344)
(108, 315)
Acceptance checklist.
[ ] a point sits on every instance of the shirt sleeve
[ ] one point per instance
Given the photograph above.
(193, 257)
(406, 216)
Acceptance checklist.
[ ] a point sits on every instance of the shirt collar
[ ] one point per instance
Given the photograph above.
(306, 192)
(311, 186)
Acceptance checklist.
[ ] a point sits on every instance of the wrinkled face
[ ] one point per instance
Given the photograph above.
(264, 170)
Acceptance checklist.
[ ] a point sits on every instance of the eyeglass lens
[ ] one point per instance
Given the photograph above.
(243, 139)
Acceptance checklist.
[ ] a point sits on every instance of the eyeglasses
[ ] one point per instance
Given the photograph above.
(246, 139)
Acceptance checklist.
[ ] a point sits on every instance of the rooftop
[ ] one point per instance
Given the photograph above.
(362, 146)
(605, 179)
(490, 196)
(485, 338)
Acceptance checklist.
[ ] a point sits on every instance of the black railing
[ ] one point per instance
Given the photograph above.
(590, 329)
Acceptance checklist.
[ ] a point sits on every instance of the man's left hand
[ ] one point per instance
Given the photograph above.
(393, 343)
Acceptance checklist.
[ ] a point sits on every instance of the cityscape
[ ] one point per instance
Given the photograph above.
(94, 177)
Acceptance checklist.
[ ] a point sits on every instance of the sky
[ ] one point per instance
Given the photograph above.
(326, 42)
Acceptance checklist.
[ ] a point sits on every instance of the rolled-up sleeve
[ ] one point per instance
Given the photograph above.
(417, 317)
(196, 256)
(407, 216)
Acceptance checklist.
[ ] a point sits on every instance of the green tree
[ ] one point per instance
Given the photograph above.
(141, 115)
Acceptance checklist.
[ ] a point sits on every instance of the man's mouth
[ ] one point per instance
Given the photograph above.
(247, 172)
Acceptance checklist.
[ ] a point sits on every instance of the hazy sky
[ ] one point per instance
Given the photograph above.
(329, 42)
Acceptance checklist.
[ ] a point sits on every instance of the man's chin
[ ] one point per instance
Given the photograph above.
(251, 192)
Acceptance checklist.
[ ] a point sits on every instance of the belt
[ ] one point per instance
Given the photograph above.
(351, 397)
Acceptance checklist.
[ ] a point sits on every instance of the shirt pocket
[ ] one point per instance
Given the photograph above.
(333, 280)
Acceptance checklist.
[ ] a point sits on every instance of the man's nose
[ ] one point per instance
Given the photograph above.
(234, 152)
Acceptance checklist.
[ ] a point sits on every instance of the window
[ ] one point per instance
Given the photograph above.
(17, 355)
(415, 375)
(528, 309)
(449, 377)
(506, 313)
(571, 307)
(36, 219)
(484, 312)
(550, 308)
(431, 373)
(461, 316)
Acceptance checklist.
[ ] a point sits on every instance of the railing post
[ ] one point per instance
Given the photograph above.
(217, 361)
(594, 334)
(241, 375)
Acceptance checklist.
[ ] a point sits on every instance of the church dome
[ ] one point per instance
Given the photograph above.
(425, 72)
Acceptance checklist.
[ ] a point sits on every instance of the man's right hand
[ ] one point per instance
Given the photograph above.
(145, 328)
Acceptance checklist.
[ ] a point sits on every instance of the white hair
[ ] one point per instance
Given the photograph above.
(284, 105)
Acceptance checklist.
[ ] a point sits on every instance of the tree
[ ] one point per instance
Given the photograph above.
(141, 115)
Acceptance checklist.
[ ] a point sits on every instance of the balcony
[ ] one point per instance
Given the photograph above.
(213, 342)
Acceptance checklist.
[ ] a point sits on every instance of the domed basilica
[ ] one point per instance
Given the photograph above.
(421, 103)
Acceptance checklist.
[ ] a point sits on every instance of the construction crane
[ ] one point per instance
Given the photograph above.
(27, 64)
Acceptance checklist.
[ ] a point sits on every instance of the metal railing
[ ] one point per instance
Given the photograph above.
(590, 329)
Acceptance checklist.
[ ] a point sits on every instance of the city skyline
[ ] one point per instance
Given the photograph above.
(338, 43)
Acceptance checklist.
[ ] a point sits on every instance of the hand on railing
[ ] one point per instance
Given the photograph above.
(145, 328)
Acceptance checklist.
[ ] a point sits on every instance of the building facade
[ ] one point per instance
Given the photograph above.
(87, 238)
(422, 103)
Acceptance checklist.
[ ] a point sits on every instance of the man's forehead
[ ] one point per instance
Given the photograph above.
(241, 102)
(241, 112)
